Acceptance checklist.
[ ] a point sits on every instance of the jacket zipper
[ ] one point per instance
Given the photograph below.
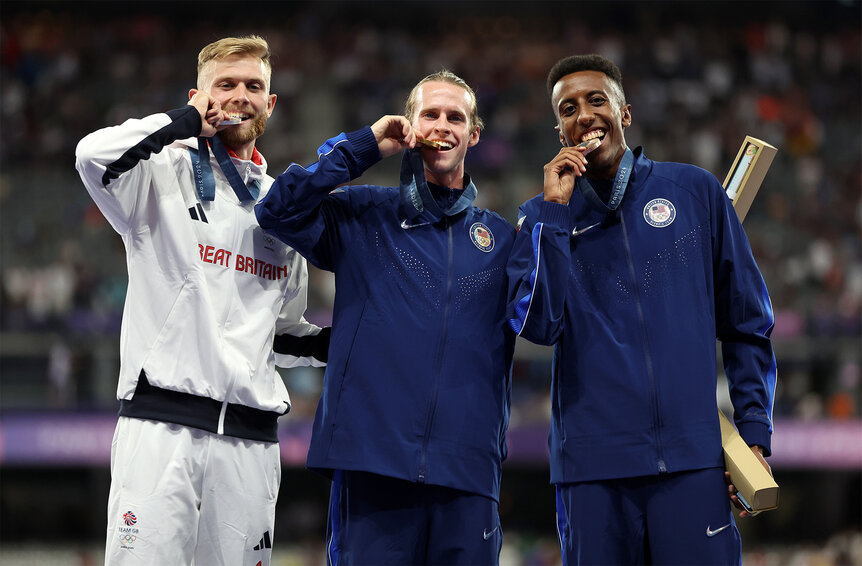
(226, 317)
(441, 353)
(657, 422)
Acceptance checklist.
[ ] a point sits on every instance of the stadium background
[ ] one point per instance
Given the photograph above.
(699, 75)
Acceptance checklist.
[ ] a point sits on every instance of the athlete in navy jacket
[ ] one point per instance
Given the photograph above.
(412, 420)
(632, 269)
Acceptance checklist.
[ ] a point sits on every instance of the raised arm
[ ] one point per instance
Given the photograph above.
(303, 208)
(119, 163)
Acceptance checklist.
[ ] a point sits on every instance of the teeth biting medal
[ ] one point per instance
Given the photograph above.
(439, 145)
(233, 120)
(589, 145)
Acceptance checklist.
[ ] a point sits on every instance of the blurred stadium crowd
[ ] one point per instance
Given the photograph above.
(700, 76)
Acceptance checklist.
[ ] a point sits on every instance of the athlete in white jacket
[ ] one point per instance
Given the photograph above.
(213, 304)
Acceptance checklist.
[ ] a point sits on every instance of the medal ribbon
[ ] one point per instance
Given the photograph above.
(204, 179)
(621, 181)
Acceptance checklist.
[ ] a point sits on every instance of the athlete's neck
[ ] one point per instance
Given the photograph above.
(248, 153)
(451, 180)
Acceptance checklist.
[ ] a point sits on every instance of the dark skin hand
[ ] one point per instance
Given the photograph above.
(731, 489)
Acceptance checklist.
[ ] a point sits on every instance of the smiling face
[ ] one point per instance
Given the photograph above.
(587, 105)
(443, 114)
(239, 83)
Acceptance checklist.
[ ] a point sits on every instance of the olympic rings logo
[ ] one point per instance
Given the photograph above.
(127, 538)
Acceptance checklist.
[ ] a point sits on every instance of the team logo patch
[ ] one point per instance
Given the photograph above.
(482, 237)
(129, 534)
(660, 213)
(129, 518)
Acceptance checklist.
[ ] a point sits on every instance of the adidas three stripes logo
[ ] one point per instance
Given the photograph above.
(265, 542)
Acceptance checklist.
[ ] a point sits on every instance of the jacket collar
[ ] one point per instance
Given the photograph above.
(249, 176)
(417, 204)
(641, 169)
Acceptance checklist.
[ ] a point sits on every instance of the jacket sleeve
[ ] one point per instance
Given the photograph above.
(297, 342)
(299, 208)
(120, 163)
(538, 270)
(744, 322)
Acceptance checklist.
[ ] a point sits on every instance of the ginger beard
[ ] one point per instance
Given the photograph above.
(246, 132)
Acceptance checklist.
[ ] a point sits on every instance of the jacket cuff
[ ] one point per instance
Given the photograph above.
(555, 214)
(187, 120)
(364, 146)
(754, 433)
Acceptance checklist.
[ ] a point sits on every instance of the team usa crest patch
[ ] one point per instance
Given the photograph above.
(482, 237)
(660, 213)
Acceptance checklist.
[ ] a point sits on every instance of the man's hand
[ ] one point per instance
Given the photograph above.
(210, 111)
(393, 134)
(731, 489)
(560, 174)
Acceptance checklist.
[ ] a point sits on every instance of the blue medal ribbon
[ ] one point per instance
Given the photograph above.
(621, 181)
(204, 180)
(416, 197)
(202, 170)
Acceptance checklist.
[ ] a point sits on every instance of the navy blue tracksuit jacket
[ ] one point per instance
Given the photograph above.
(633, 301)
(417, 384)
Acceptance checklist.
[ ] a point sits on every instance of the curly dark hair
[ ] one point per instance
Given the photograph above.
(592, 62)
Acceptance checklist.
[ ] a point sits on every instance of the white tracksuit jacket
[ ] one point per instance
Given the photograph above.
(213, 302)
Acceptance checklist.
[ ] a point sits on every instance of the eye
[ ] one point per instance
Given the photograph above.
(567, 110)
(598, 100)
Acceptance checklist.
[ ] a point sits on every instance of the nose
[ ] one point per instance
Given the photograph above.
(441, 125)
(240, 93)
(586, 116)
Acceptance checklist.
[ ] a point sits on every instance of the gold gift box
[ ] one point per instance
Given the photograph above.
(757, 488)
(747, 173)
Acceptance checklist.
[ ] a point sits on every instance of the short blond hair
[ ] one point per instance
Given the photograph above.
(252, 45)
(445, 76)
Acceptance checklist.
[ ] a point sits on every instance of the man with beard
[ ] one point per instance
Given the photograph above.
(632, 268)
(213, 304)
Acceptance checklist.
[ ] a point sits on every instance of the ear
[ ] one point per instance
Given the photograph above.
(270, 105)
(562, 137)
(474, 137)
(626, 115)
(192, 92)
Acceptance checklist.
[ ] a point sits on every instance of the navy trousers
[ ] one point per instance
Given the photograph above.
(386, 521)
(681, 518)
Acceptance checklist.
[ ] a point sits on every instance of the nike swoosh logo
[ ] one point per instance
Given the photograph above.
(577, 232)
(711, 533)
(408, 226)
(487, 534)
